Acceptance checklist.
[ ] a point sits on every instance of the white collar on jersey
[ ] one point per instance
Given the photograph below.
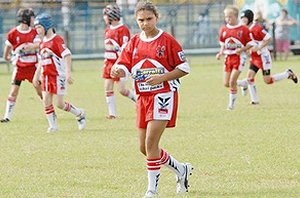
(48, 39)
(143, 37)
(233, 26)
(23, 31)
(116, 26)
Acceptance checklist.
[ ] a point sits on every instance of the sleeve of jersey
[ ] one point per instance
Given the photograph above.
(9, 39)
(221, 39)
(125, 38)
(248, 40)
(62, 48)
(178, 57)
(266, 35)
(125, 59)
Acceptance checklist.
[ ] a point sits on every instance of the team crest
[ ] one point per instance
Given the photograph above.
(160, 51)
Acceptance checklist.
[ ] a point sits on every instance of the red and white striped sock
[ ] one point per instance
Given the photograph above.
(72, 109)
(171, 163)
(111, 102)
(51, 116)
(153, 167)
(252, 90)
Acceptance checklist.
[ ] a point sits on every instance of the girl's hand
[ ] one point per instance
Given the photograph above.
(154, 79)
(70, 80)
(116, 72)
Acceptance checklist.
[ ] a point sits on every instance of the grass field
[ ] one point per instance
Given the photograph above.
(253, 151)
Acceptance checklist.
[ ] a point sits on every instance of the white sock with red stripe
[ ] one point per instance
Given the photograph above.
(10, 104)
(232, 98)
(153, 167)
(72, 109)
(111, 102)
(252, 90)
(171, 163)
(51, 116)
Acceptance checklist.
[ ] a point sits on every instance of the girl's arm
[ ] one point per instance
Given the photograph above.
(159, 78)
(68, 62)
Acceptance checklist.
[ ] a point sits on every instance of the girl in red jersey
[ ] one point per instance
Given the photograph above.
(55, 63)
(156, 61)
(260, 59)
(22, 42)
(235, 41)
(116, 37)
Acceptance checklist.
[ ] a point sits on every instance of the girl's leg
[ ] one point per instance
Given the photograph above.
(11, 101)
(152, 137)
(79, 113)
(50, 111)
(110, 98)
(233, 88)
(252, 87)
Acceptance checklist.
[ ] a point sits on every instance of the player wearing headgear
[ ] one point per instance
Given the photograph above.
(260, 58)
(21, 50)
(116, 37)
(55, 71)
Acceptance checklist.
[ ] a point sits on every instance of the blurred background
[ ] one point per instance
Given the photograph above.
(194, 23)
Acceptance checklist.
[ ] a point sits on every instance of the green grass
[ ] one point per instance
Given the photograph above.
(253, 151)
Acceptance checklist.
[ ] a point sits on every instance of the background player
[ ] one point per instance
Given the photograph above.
(117, 36)
(156, 61)
(55, 64)
(21, 49)
(235, 41)
(260, 58)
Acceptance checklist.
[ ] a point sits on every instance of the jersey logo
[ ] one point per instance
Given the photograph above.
(160, 51)
(240, 34)
(62, 83)
(181, 56)
(163, 103)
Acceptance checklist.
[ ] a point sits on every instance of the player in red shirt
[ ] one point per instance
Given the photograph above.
(235, 41)
(260, 59)
(21, 49)
(155, 61)
(116, 36)
(55, 72)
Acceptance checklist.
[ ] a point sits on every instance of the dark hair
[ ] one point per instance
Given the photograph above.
(24, 15)
(285, 11)
(249, 15)
(146, 5)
